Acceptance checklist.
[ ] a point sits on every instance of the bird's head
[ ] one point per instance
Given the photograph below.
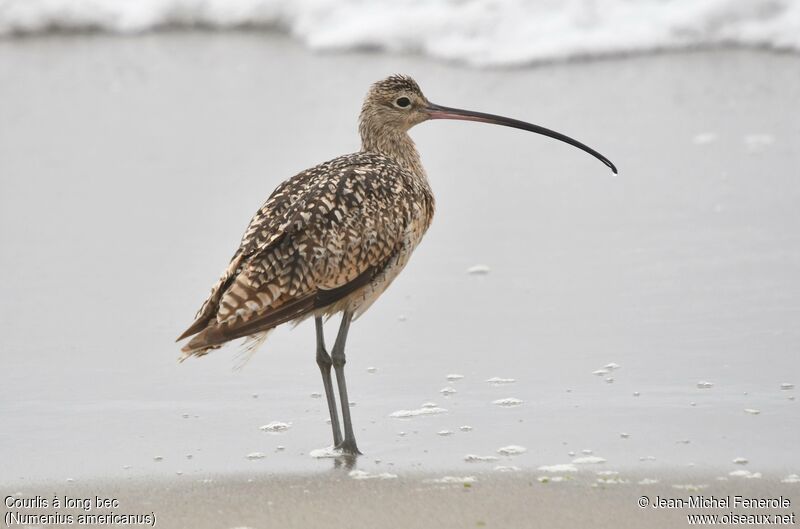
(396, 104)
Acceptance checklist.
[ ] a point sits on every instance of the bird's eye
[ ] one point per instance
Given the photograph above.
(402, 102)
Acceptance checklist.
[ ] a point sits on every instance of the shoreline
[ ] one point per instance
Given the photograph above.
(507, 500)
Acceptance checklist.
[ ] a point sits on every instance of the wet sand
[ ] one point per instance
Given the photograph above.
(130, 166)
(332, 499)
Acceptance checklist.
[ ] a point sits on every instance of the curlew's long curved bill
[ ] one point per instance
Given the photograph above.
(440, 112)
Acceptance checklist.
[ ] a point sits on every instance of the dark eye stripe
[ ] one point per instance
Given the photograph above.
(403, 102)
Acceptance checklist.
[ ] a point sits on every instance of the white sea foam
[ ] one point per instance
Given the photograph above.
(472, 458)
(496, 381)
(478, 32)
(454, 479)
(559, 468)
(425, 410)
(745, 474)
(511, 450)
(327, 452)
(509, 402)
(362, 474)
(276, 427)
(548, 479)
(588, 460)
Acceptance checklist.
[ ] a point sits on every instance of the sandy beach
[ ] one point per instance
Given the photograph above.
(129, 167)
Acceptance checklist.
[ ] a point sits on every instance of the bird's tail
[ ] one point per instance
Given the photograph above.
(199, 346)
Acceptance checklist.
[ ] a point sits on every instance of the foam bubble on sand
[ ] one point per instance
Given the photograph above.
(600, 372)
(478, 270)
(587, 451)
(453, 377)
(550, 479)
(454, 479)
(506, 468)
(444, 433)
(648, 481)
(791, 478)
(624, 435)
(559, 468)
(448, 391)
(588, 460)
(740, 461)
(322, 453)
(472, 458)
(276, 427)
(511, 450)
(429, 405)
(158, 458)
(752, 411)
(496, 381)
(609, 380)
(507, 402)
(611, 366)
(465, 428)
(425, 410)
(255, 455)
(691, 487)
(371, 369)
(704, 138)
(745, 474)
(757, 143)
(787, 386)
(612, 480)
(363, 474)
(704, 384)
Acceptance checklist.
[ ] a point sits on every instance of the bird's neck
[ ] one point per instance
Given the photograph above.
(396, 145)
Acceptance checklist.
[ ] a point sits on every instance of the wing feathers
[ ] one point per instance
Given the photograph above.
(320, 237)
(217, 334)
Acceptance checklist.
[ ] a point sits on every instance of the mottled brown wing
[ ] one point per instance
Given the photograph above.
(328, 233)
(260, 232)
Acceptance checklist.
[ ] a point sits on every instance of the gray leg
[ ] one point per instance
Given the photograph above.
(348, 446)
(324, 362)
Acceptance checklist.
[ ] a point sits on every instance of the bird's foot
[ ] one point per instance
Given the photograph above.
(348, 447)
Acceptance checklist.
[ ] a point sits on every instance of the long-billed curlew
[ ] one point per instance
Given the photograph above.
(332, 238)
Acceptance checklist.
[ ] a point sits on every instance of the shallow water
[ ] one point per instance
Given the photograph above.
(130, 167)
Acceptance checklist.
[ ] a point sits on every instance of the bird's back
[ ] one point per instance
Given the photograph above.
(330, 238)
